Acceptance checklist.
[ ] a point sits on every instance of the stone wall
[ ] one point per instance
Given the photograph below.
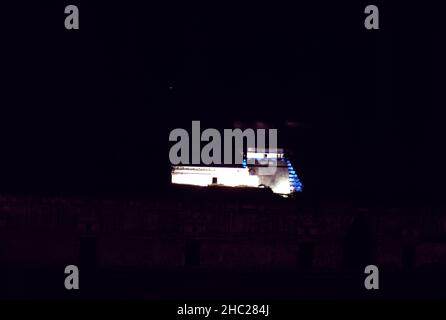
(217, 234)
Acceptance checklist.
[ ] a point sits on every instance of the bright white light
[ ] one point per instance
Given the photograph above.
(203, 176)
(230, 177)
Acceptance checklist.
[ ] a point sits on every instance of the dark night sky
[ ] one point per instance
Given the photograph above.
(92, 109)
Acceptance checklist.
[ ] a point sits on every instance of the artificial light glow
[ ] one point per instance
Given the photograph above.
(203, 176)
(283, 181)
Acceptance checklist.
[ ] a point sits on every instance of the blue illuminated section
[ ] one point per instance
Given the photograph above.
(244, 163)
(295, 184)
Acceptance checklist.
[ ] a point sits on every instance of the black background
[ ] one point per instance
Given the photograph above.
(91, 109)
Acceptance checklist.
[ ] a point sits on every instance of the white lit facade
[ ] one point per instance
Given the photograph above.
(283, 180)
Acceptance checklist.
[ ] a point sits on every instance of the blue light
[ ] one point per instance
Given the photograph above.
(295, 184)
